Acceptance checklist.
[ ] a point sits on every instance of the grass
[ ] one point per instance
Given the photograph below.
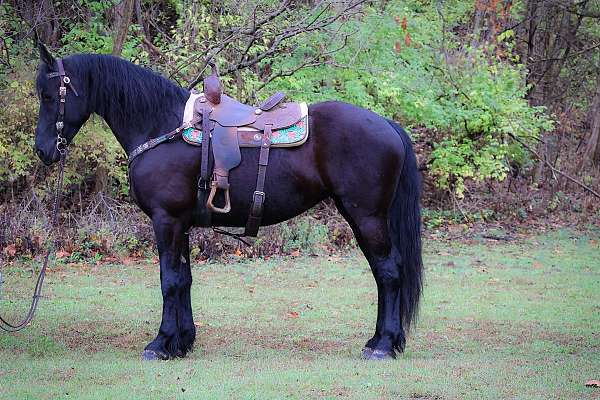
(517, 320)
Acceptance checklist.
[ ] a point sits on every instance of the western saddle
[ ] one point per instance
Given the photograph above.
(219, 117)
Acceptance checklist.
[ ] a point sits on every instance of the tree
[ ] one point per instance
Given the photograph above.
(592, 152)
(123, 14)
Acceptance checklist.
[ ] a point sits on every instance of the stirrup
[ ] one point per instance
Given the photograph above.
(209, 203)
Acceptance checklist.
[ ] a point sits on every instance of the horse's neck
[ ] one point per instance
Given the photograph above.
(137, 128)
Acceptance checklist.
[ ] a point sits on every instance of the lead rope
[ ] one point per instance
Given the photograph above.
(37, 293)
(62, 148)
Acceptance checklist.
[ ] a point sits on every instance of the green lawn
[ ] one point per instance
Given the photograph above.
(518, 320)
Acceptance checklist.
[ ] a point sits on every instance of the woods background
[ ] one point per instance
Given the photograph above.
(502, 100)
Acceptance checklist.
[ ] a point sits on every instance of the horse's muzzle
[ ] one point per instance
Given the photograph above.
(47, 159)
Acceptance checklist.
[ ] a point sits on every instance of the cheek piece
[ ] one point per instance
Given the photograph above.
(61, 141)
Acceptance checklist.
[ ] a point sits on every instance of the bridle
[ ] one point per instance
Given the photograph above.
(61, 147)
(61, 141)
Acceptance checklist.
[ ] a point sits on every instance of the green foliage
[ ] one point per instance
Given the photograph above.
(18, 117)
(94, 35)
(307, 234)
(406, 62)
(422, 76)
(434, 219)
(95, 151)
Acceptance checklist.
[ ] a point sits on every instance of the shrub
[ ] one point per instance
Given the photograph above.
(402, 65)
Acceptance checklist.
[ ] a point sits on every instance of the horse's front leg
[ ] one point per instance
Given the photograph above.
(177, 331)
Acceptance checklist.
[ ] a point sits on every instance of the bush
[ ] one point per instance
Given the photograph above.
(95, 156)
(402, 65)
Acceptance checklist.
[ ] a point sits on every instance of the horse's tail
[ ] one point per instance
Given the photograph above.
(405, 227)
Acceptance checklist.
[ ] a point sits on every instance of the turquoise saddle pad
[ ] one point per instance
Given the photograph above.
(294, 135)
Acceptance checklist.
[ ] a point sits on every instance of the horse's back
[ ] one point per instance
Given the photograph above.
(357, 146)
(351, 122)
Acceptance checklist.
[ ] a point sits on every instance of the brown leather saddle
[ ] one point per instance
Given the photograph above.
(222, 116)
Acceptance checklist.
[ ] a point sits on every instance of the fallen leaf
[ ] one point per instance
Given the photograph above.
(593, 383)
(10, 250)
(407, 39)
(62, 254)
(537, 265)
(404, 23)
(295, 253)
(198, 324)
(128, 260)
(398, 47)
(293, 314)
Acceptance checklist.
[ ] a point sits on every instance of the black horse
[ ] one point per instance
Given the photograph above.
(361, 160)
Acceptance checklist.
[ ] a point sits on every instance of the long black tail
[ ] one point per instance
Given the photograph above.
(405, 227)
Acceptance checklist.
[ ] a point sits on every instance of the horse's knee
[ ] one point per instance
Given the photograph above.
(175, 280)
(169, 285)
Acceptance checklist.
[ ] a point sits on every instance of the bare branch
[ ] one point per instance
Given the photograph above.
(312, 22)
(576, 54)
(554, 169)
(310, 62)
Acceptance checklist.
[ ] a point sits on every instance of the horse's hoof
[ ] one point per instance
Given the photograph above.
(366, 353)
(380, 355)
(151, 355)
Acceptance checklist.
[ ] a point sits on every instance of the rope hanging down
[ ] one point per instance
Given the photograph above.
(37, 293)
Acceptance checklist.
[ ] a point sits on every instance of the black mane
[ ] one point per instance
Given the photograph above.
(125, 90)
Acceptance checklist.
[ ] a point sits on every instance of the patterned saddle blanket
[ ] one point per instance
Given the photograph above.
(294, 135)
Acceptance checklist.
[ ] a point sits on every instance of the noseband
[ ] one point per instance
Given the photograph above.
(61, 141)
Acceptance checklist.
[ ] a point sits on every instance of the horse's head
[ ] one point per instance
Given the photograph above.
(63, 106)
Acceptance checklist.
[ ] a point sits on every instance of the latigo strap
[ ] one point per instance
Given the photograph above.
(258, 198)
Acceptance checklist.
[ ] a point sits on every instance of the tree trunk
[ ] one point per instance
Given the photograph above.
(550, 33)
(477, 23)
(124, 11)
(592, 152)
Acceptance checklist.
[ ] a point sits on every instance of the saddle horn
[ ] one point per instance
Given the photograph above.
(212, 86)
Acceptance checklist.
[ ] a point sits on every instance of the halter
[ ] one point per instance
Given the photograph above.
(61, 141)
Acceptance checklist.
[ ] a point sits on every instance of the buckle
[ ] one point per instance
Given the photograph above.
(60, 125)
(203, 184)
(258, 193)
(62, 91)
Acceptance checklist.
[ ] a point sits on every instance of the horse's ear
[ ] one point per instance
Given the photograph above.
(45, 56)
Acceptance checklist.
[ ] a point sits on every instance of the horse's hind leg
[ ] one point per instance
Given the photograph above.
(177, 331)
(365, 247)
(373, 237)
